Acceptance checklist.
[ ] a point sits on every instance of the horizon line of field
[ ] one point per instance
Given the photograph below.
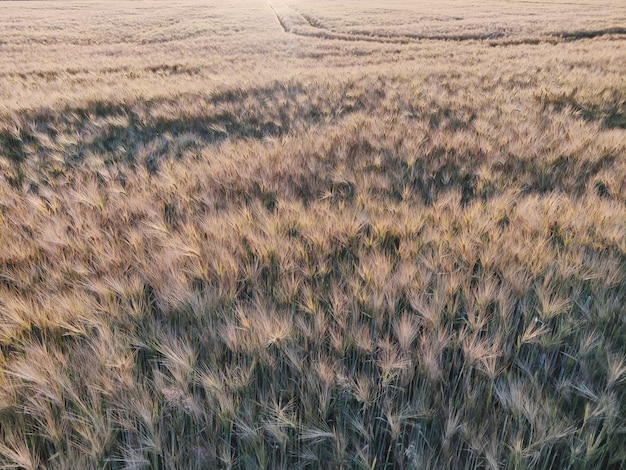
(494, 39)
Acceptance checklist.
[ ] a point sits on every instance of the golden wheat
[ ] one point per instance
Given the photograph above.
(312, 234)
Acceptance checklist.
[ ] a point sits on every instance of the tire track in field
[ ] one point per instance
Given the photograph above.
(279, 18)
(293, 22)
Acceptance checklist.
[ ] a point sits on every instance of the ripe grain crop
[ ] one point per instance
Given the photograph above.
(312, 234)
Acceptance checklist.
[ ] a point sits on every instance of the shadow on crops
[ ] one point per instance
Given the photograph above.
(568, 174)
(441, 171)
(576, 35)
(162, 127)
(610, 113)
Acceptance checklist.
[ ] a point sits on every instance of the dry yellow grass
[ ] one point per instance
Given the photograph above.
(307, 234)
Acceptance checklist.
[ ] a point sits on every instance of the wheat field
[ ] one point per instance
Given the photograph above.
(312, 234)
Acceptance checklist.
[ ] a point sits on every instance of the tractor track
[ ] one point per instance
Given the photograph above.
(293, 22)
